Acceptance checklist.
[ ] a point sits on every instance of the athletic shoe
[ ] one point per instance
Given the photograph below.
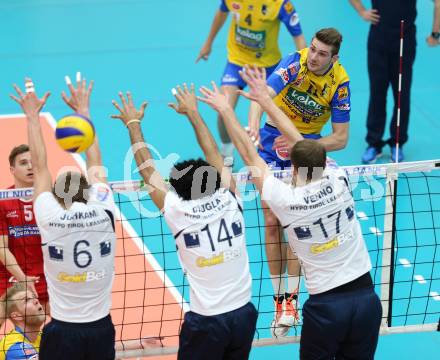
(276, 329)
(401, 157)
(290, 316)
(371, 155)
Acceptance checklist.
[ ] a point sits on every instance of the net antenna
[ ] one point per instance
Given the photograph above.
(388, 255)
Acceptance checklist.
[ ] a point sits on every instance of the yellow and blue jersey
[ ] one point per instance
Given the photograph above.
(309, 100)
(253, 34)
(15, 346)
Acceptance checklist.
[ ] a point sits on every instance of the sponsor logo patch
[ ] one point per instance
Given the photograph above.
(283, 74)
(288, 6)
(342, 93)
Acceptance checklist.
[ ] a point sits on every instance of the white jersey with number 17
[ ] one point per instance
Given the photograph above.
(321, 226)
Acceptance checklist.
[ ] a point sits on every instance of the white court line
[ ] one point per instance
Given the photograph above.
(405, 262)
(132, 232)
(435, 295)
(362, 216)
(420, 279)
(376, 231)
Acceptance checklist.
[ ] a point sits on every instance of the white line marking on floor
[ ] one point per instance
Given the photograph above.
(362, 216)
(420, 279)
(435, 295)
(405, 262)
(376, 231)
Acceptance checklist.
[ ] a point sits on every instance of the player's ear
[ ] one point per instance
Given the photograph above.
(16, 316)
(335, 58)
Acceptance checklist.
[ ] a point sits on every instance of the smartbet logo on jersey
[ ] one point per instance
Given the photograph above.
(86, 276)
(224, 256)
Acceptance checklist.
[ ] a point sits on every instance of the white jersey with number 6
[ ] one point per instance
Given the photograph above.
(78, 251)
(211, 246)
(321, 226)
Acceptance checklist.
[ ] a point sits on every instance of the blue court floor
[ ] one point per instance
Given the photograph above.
(148, 47)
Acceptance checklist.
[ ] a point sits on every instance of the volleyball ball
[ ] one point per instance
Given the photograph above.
(75, 133)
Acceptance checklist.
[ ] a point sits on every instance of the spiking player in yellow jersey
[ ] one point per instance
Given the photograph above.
(252, 40)
(310, 87)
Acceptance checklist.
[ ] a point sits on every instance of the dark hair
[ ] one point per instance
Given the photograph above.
(18, 150)
(331, 37)
(309, 154)
(68, 182)
(194, 179)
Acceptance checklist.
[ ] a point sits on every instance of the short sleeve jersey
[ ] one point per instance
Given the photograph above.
(308, 99)
(17, 221)
(320, 221)
(78, 249)
(211, 247)
(15, 346)
(255, 25)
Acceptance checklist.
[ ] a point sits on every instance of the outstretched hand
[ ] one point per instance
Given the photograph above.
(214, 98)
(186, 100)
(255, 78)
(128, 111)
(29, 101)
(80, 96)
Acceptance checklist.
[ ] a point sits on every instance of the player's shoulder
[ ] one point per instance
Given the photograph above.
(341, 75)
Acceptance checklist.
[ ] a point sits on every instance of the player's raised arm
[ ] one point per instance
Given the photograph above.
(259, 92)
(187, 105)
(32, 105)
(219, 19)
(79, 101)
(131, 117)
(219, 102)
(289, 16)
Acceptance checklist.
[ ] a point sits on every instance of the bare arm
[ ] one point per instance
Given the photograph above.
(300, 42)
(371, 15)
(187, 105)
(132, 118)
(32, 106)
(338, 139)
(258, 168)
(435, 25)
(254, 119)
(9, 261)
(79, 101)
(219, 19)
(262, 94)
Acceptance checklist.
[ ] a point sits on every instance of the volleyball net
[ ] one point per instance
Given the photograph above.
(398, 206)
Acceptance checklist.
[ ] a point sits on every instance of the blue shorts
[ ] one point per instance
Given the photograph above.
(72, 341)
(231, 76)
(274, 158)
(341, 325)
(224, 336)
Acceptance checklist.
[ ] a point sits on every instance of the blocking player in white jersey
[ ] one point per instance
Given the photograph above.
(204, 211)
(342, 316)
(76, 221)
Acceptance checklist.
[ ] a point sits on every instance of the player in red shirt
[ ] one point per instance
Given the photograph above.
(21, 258)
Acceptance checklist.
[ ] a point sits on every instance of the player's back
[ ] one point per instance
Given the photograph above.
(211, 246)
(321, 226)
(78, 250)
